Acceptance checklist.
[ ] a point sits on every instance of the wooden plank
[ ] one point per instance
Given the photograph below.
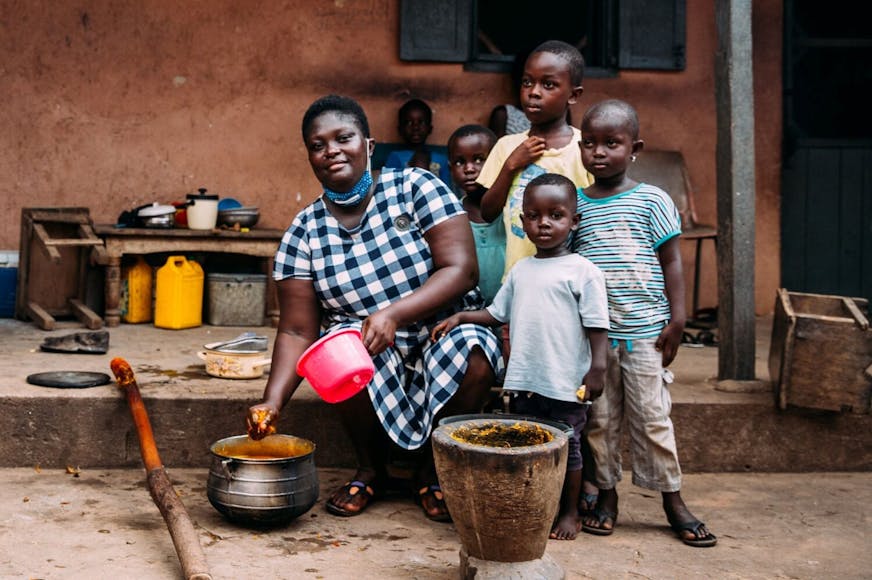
(43, 319)
(850, 206)
(866, 241)
(72, 215)
(794, 234)
(44, 240)
(87, 316)
(822, 222)
(859, 318)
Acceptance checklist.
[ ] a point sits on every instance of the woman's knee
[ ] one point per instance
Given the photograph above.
(476, 384)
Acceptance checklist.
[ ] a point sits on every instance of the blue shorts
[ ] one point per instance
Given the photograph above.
(572, 414)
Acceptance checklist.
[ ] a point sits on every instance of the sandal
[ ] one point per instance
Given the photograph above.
(351, 490)
(587, 505)
(701, 538)
(601, 516)
(434, 492)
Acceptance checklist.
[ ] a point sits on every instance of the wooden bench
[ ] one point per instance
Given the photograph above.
(261, 243)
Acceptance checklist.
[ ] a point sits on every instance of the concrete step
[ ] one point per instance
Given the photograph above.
(717, 431)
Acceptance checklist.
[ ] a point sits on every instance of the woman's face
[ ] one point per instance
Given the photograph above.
(337, 151)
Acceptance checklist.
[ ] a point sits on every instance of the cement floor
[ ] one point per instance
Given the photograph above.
(103, 524)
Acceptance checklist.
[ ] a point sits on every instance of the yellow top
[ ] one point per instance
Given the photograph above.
(565, 161)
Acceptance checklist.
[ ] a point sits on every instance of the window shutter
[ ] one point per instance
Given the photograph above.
(438, 30)
(652, 34)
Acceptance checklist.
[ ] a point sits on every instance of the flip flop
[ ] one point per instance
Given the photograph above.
(589, 499)
(351, 489)
(435, 492)
(601, 516)
(698, 541)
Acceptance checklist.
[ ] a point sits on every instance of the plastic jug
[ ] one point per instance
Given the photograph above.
(179, 294)
(136, 292)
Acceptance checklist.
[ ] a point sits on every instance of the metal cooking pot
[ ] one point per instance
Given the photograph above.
(266, 482)
(156, 216)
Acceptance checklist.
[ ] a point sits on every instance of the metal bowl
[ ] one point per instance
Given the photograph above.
(246, 217)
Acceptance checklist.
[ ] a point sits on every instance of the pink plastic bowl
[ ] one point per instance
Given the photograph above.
(337, 365)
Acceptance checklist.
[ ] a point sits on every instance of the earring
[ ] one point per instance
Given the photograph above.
(632, 158)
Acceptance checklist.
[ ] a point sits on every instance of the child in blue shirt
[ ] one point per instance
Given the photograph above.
(415, 125)
(468, 148)
(631, 231)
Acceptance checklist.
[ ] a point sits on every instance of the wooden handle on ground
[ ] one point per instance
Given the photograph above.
(181, 528)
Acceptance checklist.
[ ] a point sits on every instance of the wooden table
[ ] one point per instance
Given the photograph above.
(261, 243)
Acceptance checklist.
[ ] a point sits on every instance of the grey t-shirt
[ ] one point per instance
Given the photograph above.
(548, 302)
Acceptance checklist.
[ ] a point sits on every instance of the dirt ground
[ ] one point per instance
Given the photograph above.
(103, 524)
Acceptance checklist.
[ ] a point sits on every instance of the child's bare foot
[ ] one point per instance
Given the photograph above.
(566, 527)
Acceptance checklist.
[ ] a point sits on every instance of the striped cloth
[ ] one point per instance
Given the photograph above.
(361, 271)
(621, 235)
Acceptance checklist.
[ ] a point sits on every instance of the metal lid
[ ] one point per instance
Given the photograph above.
(156, 209)
(245, 343)
(202, 195)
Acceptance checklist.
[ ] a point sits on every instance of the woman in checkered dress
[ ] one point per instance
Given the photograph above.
(390, 257)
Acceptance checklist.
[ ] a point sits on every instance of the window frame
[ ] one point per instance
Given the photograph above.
(444, 31)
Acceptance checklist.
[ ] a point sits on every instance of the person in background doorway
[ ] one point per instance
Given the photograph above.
(415, 126)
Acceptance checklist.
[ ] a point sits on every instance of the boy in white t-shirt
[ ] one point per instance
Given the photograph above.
(556, 303)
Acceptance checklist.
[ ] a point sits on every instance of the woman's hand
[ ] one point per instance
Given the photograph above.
(526, 153)
(378, 332)
(444, 327)
(260, 421)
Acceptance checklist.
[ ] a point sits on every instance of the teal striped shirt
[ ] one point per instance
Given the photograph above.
(621, 235)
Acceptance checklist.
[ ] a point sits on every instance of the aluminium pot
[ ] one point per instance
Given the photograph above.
(262, 483)
(233, 365)
(156, 216)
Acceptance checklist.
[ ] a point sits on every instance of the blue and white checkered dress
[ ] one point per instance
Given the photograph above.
(361, 271)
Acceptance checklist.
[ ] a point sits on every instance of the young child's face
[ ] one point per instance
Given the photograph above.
(606, 145)
(549, 216)
(546, 88)
(415, 127)
(467, 155)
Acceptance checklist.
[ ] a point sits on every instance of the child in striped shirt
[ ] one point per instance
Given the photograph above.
(631, 231)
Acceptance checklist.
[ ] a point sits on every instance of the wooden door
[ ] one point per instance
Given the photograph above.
(826, 211)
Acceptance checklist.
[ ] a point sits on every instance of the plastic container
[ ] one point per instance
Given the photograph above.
(8, 282)
(202, 213)
(179, 294)
(337, 365)
(137, 283)
(235, 299)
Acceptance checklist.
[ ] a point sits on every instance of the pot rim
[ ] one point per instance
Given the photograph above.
(443, 433)
(273, 460)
